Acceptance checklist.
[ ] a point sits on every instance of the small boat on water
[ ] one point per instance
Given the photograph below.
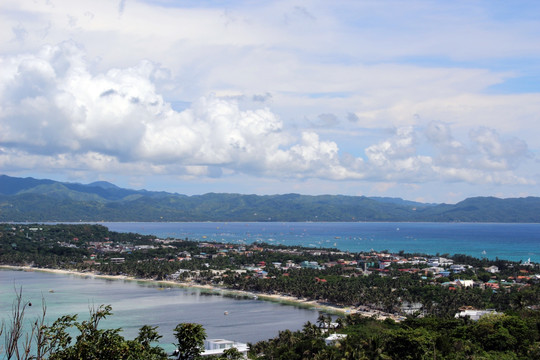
(226, 313)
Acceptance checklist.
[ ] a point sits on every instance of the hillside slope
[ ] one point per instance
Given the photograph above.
(28, 199)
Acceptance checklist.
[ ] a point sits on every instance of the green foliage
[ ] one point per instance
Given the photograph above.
(430, 338)
(231, 354)
(95, 343)
(190, 339)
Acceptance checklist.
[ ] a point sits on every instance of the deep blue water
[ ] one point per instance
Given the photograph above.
(517, 242)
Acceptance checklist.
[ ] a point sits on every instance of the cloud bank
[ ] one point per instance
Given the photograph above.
(58, 112)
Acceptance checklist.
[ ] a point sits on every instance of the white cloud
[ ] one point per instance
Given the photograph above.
(118, 114)
(497, 153)
(55, 109)
(275, 89)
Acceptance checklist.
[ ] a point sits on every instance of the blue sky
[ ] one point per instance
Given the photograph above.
(425, 100)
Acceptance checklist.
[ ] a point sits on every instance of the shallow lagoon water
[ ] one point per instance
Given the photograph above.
(138, 303)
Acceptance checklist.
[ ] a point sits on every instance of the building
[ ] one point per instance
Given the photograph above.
(310, 265)
(334, 339)
(475, 315)
(440, 261)
(464, 283)
(492, 269)
(218, 346)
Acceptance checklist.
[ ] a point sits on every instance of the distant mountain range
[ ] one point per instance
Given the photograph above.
(29, 199)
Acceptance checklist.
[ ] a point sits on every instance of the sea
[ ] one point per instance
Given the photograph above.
(249, 319)
(515, 242)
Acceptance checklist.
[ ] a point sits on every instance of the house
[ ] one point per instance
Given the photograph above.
(458, 268)
(464, 283)
(310, 265)
(492, 269)
(475, 315)
(218, 346)
(434, 269)
(439, 261)
(334, 338)
(177, 274)
(412, 308)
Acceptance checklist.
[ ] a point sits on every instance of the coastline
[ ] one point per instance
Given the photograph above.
(284, 299)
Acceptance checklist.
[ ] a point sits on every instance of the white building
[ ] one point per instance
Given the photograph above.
(440, 261)
(464, 283)
(475, 315)
(334, 338)
(459, 268)
(434, 269)
(218, 346)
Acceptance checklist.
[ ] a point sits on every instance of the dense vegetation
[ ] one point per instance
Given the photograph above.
(46, 200)
(511, 336)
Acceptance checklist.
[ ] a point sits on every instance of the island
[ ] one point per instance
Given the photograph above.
(392, 303)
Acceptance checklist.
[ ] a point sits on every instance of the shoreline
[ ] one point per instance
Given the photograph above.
(280, 298)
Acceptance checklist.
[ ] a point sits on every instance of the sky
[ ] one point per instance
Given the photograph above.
(432, 101)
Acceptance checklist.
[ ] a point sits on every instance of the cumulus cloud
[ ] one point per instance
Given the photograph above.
(56, 113)
(498, 153)
(52, 105)
(397, 158)
(487, 150)
(487, 158)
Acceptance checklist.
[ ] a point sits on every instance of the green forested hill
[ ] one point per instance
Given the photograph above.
(46, 200)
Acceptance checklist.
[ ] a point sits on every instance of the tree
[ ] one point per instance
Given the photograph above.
(231, 354)
(190, 338)
(95, 343)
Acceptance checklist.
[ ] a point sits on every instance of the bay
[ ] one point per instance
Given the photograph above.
(136, 303)
(515, 242)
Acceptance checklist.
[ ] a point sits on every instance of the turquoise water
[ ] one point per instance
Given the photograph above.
(516, 242)
(138, 303)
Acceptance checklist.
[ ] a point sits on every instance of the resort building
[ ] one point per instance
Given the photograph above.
(334, 339)
(475, 315)
(218, 346)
